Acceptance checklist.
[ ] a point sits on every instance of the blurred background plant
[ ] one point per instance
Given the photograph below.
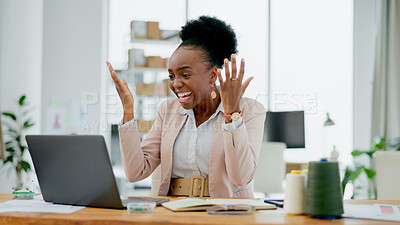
(16, 123)
(366, 167)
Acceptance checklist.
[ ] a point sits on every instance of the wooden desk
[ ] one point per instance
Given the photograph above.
(98, 216)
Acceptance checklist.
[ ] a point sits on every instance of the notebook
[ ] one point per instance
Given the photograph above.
(196, 204)
(76, 170)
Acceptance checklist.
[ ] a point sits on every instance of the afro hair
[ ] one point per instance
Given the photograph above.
(212, 35)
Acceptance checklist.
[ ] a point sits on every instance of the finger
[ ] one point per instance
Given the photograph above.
(110, 66)
(241, 71)
(246, 84)
(124, 87)
(221, 82)
(233, 65)
(112, 72)
(117, 81)
(227, 74)
(119, 90)
(125, 83)
(127, 92)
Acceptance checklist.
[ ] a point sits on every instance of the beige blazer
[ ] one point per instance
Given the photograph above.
(233, 156)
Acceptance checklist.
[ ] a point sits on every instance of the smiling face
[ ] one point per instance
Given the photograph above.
(191, 78)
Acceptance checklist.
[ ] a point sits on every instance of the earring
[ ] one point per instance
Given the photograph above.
(213, 93)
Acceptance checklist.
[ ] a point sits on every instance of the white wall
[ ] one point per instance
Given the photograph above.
(363, 70)
(311, 70)
(20, 63)
(74, 56)
(54, 51)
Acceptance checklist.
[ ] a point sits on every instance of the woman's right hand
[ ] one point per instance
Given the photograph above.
(124, 94)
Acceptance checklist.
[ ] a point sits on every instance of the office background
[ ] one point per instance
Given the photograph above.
(316, 56)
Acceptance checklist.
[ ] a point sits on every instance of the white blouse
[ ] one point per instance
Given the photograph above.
(191, 154)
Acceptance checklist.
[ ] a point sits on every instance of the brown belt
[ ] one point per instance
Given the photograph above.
(196, 186)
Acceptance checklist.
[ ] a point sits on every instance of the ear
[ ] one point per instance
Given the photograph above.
(213, 75)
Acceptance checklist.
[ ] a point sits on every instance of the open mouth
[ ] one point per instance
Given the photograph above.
(184, 96)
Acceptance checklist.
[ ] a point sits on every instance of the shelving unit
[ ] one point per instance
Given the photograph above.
(145, 105)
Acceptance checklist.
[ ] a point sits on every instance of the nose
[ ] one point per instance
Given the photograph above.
(177, 83)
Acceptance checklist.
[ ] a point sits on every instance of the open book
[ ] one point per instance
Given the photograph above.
(196, 204)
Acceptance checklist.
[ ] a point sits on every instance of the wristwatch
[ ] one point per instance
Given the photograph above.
(234, 116)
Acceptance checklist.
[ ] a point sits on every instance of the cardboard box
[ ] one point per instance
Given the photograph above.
(144, 126)
(145, 89)
(153, 31)
(156, 62)
(166, 87)
(136, 58)
(138, 30)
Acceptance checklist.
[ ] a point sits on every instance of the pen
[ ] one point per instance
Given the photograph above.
(275, 202)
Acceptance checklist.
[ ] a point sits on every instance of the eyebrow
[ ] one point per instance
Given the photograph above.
(181, 68)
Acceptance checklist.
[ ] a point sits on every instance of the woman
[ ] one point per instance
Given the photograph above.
(207, 141)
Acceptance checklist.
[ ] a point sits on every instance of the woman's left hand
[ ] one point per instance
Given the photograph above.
(232, 88)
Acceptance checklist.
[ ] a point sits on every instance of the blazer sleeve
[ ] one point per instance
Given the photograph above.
(141, 159)
(242, 146)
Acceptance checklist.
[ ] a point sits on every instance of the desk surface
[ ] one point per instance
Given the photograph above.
(98, 216)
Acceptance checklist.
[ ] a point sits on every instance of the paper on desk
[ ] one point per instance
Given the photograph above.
(259, 204)
(234, 201)
(278, 211)
(373, 212)
(36, 205)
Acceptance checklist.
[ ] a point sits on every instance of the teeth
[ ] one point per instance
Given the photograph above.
(182, 94)
(184, 98)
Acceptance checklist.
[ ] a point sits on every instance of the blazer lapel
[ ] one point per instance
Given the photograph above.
(216, 145)
(169, 139)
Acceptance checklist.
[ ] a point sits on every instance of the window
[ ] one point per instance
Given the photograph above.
(311, 70)
(310, 56)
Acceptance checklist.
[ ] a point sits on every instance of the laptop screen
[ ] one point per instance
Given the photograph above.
(74, 170)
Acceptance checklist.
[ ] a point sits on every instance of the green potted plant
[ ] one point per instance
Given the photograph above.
(352, 173)
(16, 124)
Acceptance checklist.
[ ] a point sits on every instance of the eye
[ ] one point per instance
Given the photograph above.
(185, 75)
(171, 76)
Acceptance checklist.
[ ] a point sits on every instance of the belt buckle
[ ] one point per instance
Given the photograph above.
(202, 186)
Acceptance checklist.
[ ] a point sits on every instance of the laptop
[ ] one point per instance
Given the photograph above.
(76, 170)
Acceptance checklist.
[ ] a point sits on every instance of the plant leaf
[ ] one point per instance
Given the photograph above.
(25, 166)
(370, 153)
(10, 149)
(27, 124)
(11, 115)
(9, 158)
(8, 143)
(356, 153)
(22, 148)
(370, 173)
(21, 100)
(356, 173)
(378, 143)
(346, 178)
(12, 130)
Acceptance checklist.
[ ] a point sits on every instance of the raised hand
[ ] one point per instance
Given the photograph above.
(232, 88)
(124, 94)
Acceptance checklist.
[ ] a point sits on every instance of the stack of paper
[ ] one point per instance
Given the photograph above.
(36, 205)
(373, 212)
(195, 204)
